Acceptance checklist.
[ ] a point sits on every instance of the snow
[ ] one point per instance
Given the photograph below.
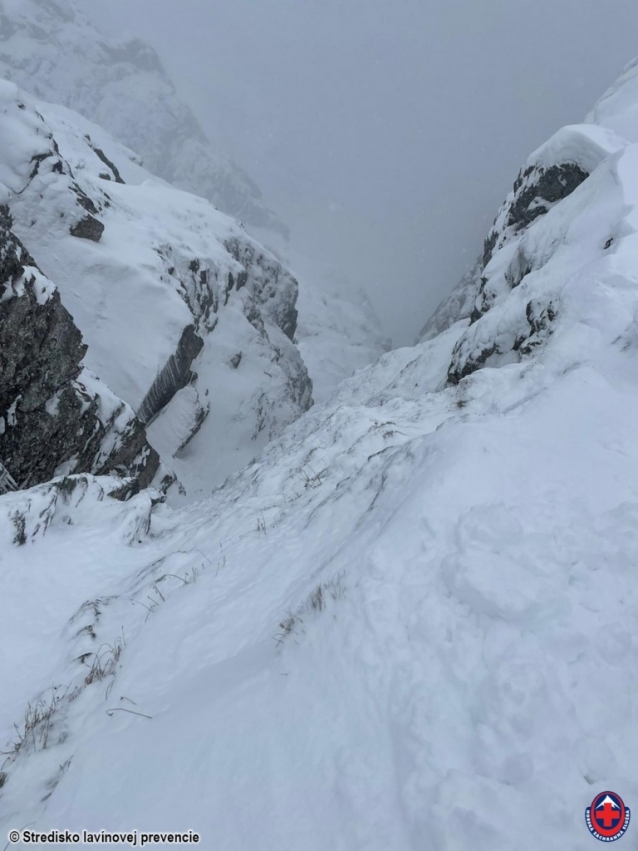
(469, 662)
(582, 144)
(617, 110)
(486, 578)
(53, 51)
(608, 800)
(411, 623)
(336, 336)
(166, 261)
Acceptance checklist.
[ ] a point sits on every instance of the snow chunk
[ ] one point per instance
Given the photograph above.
(581, 144)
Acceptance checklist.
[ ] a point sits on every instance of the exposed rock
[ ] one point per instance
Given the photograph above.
(54, 414)
(88, 228)
(272, 287)
(535, 191)
(102, 156)
(460, 368)
(175, 375)
(552, 173)
(190, 286)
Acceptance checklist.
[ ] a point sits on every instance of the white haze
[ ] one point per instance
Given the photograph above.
(385, 132)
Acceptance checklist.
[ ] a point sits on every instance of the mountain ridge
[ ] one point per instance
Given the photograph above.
(52, 50)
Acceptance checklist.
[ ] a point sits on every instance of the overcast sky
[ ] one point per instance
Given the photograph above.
(385, 132)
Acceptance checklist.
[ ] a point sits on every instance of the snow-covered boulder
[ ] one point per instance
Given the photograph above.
(550, 174)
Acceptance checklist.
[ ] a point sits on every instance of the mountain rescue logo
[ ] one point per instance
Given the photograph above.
(608, 817)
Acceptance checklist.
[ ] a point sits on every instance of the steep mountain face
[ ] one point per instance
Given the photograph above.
(617, 110)
(458, 305)
(550, 174)
(517, 302)
(55, 416)
(186, 318)
(390, 631)
(50, 49)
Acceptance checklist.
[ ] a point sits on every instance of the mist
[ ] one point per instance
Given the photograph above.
(385, 134)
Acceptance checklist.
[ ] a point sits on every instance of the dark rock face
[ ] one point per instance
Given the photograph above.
(88, 228)
(175, 375)
(273, 288)
(107, 162)
(460, 368)
(535, 190)
(51, 411)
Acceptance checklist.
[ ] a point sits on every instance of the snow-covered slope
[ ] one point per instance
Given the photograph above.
(187, 319)
(617, 109)
(459, 304)
(50, 48)
(411, 624)
(336, 336)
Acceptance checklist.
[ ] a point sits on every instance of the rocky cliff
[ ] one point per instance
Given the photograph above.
(55, 416)
(50, 48)
(550, 174)
(517, 303)
(187, 319)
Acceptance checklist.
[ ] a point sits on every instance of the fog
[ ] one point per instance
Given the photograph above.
(385, 132)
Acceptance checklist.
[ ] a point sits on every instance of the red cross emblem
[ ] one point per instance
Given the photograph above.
(606, 814)
(608, 817)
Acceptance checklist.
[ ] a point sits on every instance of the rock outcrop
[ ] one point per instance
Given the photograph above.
(164, 288)
(513, 311)
(55, 416)
(550, 174)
